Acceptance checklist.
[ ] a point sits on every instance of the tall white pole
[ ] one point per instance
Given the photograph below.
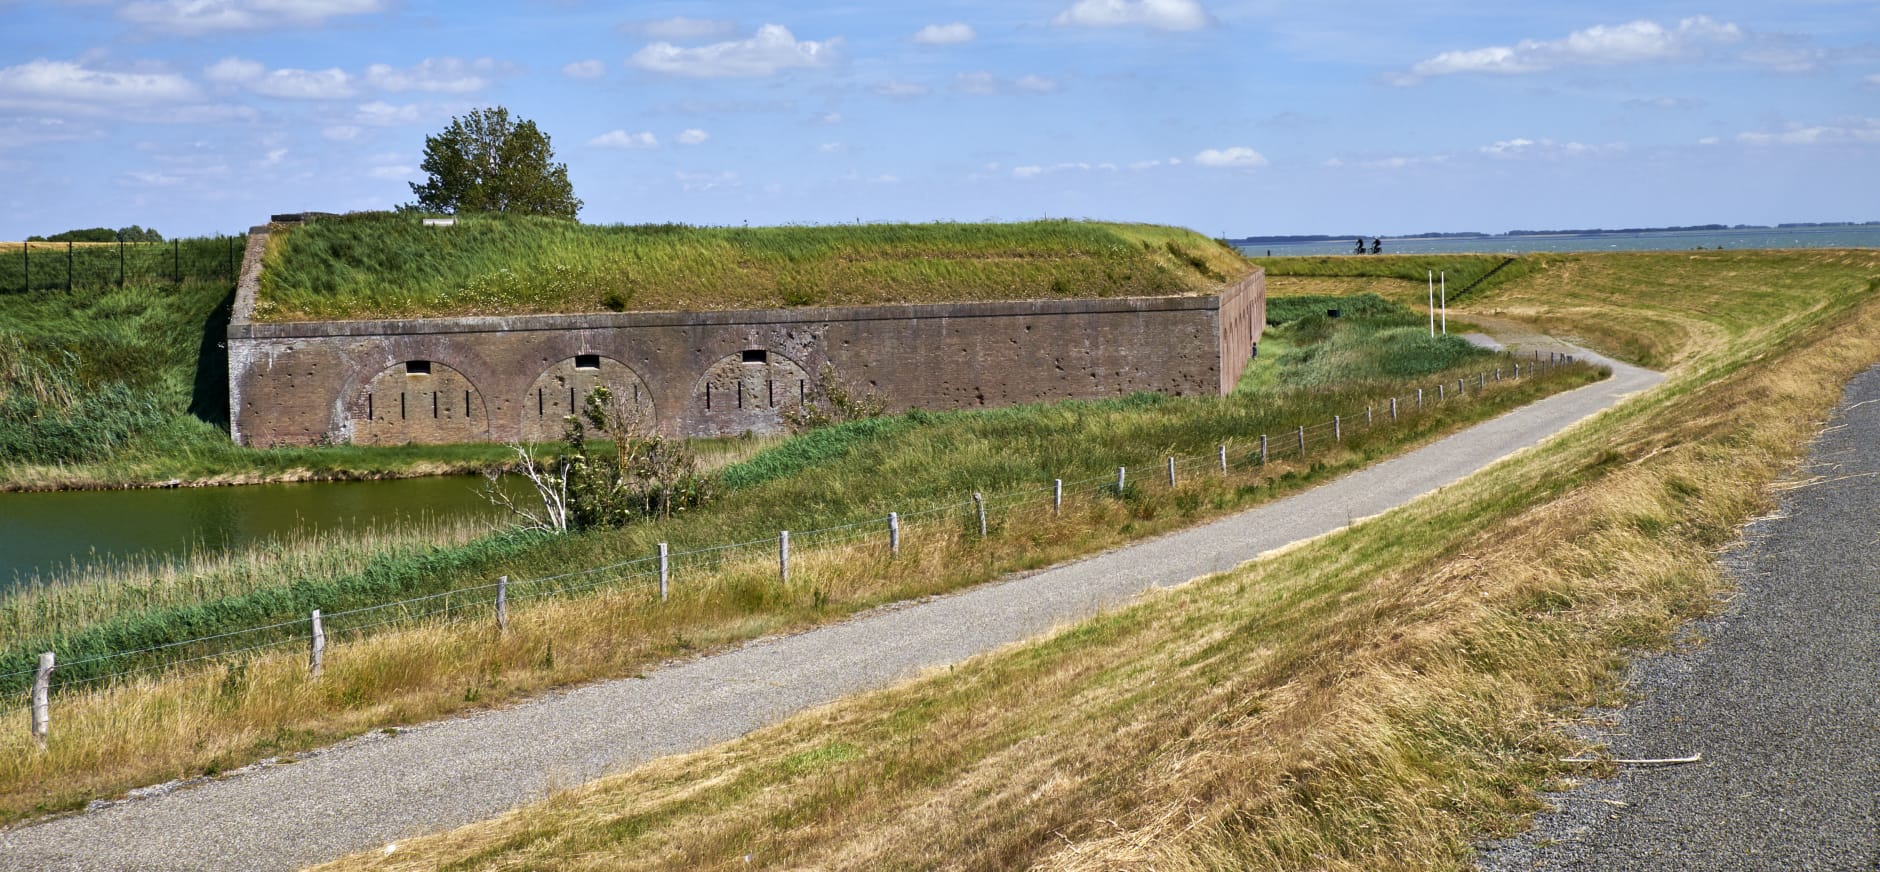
(1445, 282)
(1432, 304)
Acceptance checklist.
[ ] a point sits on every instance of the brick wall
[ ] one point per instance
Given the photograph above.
(716, 373)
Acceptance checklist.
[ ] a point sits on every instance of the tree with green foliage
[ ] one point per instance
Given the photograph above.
(132, 233)
(485, 162)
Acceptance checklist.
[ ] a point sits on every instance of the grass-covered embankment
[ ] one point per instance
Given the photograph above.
(213, 716)
(383, 265)
(1376, 699)
(126, 386)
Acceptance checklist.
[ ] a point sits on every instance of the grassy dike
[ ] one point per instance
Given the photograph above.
(1378, 698)
(203, 720)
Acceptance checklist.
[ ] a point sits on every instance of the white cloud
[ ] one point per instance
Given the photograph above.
(692, 136)
(833, 148)
(379, 113)
(623, 139)
(209, 16)
(1172, 15)
(829, 118)
(1235, 156)
(683, 28)
(1545, 149)
(342, 132)
(902, 90)
(288, 84)
(772, 50)
(1027, 172)
(1843, 131)
(154, 179)
(274, 157)
(957, 33)
(706, 181)
(1033, 171)
(65, 81)
(1635, 42)
(588, 69)
(435, 75)
(987, 83)
(1710, 140)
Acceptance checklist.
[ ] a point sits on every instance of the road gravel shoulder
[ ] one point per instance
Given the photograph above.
(439, 775)
(1779, 693)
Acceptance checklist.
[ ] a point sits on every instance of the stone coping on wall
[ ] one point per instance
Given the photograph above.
(807, 314)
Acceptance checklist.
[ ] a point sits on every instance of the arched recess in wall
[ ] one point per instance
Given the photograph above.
(748, 392)
(420, 401)
(564, 388)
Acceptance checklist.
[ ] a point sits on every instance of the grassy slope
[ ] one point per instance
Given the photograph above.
(383, 265)
(151, 731)
(1376, 699)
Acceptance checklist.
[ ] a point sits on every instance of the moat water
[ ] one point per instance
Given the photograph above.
(44, 535)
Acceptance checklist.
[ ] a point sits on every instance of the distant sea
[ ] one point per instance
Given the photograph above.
(1833, 236)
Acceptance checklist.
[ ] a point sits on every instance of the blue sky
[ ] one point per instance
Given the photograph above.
(1234, 118)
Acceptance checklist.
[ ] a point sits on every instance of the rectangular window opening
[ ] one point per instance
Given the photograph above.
(541, 406)
(770, 387)
(466, 404)
(740, 395)
(368, 407)
(802, 391)
(417, 367)
(587, 361)
(708, 396)
(756, 355)
(401, 406)
(433, 404)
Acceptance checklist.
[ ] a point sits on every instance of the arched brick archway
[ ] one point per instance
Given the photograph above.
(420, 401)
(747, 392)
(563, 389)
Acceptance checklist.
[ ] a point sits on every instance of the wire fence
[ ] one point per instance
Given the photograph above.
(68, 266)
(656, 572)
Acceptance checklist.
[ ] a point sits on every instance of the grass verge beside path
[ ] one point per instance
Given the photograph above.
(1379, 698)
(205, 720)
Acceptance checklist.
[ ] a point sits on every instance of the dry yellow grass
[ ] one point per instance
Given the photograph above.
(215, 717)
(1376, 699)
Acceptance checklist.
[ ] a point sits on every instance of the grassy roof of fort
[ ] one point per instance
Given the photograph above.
(385, 265)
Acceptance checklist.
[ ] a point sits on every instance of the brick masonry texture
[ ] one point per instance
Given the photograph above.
(714, 373)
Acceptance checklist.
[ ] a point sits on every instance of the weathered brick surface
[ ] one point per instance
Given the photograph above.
(510, 378)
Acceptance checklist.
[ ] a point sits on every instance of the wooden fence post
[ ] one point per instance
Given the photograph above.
(979, 507)
(1223, 460)
(42, 705)
(1442, 394)
(783, 555)
(1171, 470)
(665, 570)
(894, 533)
(317, 658)
(1393, 408)
(1338, 429)
(1262, 449)
(502, 605)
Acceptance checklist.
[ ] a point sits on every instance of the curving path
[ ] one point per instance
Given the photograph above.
(378, 789)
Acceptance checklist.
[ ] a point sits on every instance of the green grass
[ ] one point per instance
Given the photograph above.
(1467, 274)
(387, 265)
(839, 475)
(127, 385)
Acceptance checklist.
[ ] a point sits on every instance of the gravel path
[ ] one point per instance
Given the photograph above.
(1780, 694)
(382, 788)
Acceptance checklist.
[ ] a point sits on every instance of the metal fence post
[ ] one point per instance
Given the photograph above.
(120, 263)
(1223, 460)
(42, 706)
(1057, 496)
(1367, 417)
(315, 660)
(1393, 408)
(68, 266)
(1442, 393)
(1338, 429)
(1302, 440)
(783, 555)
(1171, 470)
(26, 263)
(979, 507)
(1262, 449)
(176, 254)
(1121, 479)
(502, 605)
(665, 570)
(1419, 399)
(894, 533)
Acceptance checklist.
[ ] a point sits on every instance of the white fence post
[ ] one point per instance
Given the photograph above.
(1057, 496)
(894, 533)
(665, 570)
(502, 605)
(1171, 470)
(1223, 460)
(1338, 429)
(317, 658)
(42, 705)
(783, 555)
(979, 508)
(1442, 393)
(1367, 417)
(1122, 478)
(1262, 449)
(1302, 440)
(1419, 399)
(1393, 408)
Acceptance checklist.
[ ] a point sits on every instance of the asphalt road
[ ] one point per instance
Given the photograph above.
(1780, 694)
(378, 789)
